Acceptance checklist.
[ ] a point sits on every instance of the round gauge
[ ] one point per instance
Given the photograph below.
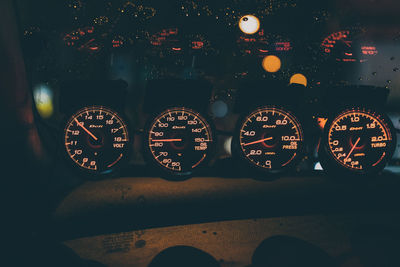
(271, 138)
(167, 40)
(96, 139)
(344, 46)
(82, 39)
(179, 140)
(359, 140)
(263, 44)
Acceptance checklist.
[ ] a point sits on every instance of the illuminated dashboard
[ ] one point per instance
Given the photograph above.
(158, 120)
(271, 136)
(228, 48)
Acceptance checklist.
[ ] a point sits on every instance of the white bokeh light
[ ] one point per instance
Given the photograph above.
(249, 24)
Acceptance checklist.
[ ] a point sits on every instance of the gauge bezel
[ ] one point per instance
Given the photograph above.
(329, 162)
(165, 172)
(237, 151)
(91, 174)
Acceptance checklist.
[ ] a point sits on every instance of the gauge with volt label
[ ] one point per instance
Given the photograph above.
(271, 139)
(358, 140)
(96, 139)
(179, 140)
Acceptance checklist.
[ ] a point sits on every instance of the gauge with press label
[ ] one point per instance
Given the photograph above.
(270, 139)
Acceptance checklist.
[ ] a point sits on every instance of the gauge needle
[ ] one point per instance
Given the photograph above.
(259, 141)
(86, 130)
(348, 43)
(167, 140)
(352, 149)
(86, 44)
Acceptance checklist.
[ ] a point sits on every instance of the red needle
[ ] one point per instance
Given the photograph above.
(259, 141)
(167, 140)
(86, 130)
(86, 44)
(348, 43)
(352, 149)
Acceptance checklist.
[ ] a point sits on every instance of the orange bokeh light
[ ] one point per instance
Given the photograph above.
(298, 79)
(271, 63)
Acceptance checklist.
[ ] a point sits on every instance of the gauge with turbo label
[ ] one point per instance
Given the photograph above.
(179, 140)
(271, 139)
(359, 140)
(96, 139)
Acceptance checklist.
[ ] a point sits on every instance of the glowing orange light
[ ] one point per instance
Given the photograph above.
(197, 45)
(322, 122)
(347, 60)
(249, 24)
(271, 63)
(248, 40)
(298, 79)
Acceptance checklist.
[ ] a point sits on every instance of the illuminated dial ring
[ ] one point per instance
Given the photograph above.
(179, 140)
(271, 138)
(96, 139)
(359, 140)
(344, 46)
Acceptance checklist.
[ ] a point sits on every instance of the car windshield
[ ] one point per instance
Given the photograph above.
(143, 40)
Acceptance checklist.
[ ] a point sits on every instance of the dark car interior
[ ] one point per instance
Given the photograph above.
(200, 133)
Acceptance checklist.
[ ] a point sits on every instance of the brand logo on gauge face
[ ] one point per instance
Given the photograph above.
(178, 127)
(96, 126)
(266, 126)
(356, 128)
(179, 140)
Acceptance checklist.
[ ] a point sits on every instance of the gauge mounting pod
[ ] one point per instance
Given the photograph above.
(179, 141)
(96, 139)
(269, 139)
(357, 141)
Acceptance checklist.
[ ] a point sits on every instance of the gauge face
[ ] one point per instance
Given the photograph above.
(82, 39)
(360, 140)
(167, 40)
(96, 139)
(179, 140)
(271, 138)
(263, 44)
(343, 46)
